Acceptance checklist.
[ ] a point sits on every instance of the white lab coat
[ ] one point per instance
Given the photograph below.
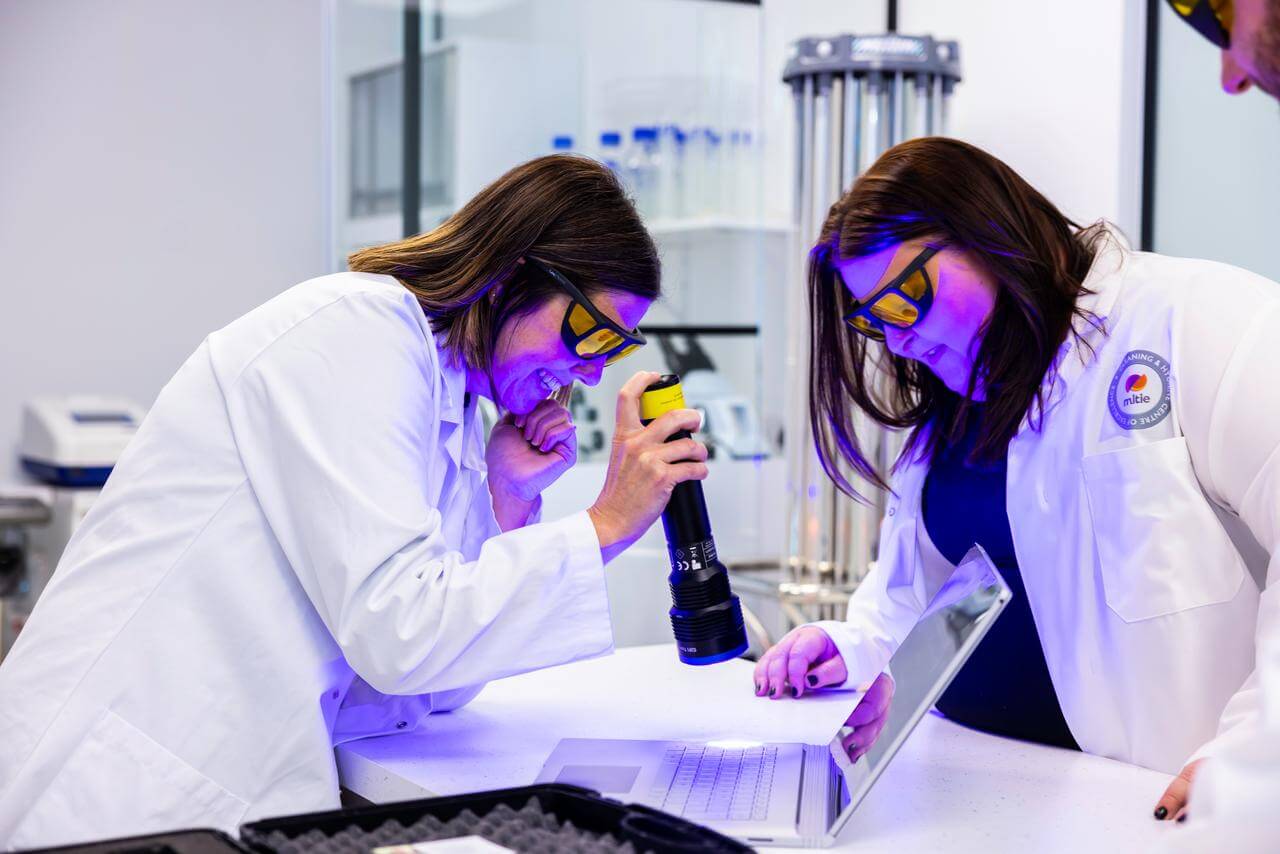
(296, 550)
(1137, 530)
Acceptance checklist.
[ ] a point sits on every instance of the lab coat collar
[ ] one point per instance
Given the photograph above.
(1104, 282)
(453, 388)
(457, 417)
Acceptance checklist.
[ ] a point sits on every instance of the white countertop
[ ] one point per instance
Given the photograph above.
(949, 787)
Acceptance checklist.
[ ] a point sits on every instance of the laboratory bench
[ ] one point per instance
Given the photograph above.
(950, 788)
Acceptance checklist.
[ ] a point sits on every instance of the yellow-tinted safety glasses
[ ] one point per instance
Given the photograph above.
(1210, 18)
(587, 331)
(902, 303)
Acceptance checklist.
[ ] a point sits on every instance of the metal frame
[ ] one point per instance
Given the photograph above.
(851, 104)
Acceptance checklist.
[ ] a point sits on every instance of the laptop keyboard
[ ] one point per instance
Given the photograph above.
(713, 783)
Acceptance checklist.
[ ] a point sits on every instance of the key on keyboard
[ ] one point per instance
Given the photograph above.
(711, 783)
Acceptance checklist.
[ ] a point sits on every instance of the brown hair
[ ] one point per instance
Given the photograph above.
(955, 196)
(570, 213)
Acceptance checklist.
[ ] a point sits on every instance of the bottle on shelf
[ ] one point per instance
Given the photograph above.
(693, 195)
(670, 168)
(562, 144)
(640, 168)
(611, 153)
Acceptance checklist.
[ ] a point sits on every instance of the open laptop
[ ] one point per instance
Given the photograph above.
(794, 794)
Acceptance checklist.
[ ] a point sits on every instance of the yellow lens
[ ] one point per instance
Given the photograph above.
(622, 354)
(894, 310)
(915, 285)
(580, 320)
(599, 341)
(867, 328)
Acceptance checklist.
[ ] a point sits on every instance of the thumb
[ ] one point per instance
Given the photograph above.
(628, 414)
(830, 672)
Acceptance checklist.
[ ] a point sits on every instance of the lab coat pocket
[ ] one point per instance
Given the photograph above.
(119, 782)
(1161, 547)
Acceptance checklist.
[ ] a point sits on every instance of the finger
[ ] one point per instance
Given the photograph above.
(552, 424)
(863, 738)
(628, 415)
(661, 428)
(808, 649)
(556, 435)
(546, 412)
(1174, 797)
(680, 472)
(759, 678)
(777, 671)
(829, 672)
(681, 450)
(875, 703)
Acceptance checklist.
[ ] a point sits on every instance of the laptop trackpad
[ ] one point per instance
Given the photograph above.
(607, 779)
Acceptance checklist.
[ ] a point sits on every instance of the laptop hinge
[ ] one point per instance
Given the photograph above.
(815, 817)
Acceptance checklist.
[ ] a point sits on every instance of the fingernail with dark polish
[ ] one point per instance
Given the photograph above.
(795, 692)
(759, 687)
(813, 681)
(1161, 813)
(1182, 818)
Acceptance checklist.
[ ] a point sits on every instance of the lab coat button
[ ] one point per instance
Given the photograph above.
(402, 724)
(892, 510)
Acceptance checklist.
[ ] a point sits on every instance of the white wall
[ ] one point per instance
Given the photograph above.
(1217, 160)
(161, 174)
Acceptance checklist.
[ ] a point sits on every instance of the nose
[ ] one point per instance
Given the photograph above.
(899, 341)
(1235, 80)
(589, 373)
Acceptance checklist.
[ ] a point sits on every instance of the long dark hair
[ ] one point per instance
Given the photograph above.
(568, 212)
(955, 196)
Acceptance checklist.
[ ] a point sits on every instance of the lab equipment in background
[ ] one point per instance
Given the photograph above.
(70, 445)
(730, 423)
(611, 153)
(591, 439)
(75, 441)
(706, 616)
(562, 144)
(855, 96)
(23, 509)
(641, 170)
(670, 161)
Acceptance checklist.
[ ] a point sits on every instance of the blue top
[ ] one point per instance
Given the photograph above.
(1004, 687)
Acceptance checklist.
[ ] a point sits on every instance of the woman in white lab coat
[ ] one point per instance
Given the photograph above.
(302, 547)
(1102, 421)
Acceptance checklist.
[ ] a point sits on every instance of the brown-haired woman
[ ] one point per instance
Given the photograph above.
(302, 546)
(1093, 417)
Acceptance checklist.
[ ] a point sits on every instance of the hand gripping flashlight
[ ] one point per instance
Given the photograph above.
(706, 616)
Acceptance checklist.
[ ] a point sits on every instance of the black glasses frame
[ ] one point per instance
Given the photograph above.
(629, 338)
(863, 311)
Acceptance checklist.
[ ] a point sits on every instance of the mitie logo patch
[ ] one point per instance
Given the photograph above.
(1139, 395)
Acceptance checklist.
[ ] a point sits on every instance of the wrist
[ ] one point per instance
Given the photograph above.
(504, 490)
(607, 530)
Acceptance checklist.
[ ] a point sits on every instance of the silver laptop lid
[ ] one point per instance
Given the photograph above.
(947, 633)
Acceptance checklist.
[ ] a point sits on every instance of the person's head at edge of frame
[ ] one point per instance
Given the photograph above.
(497, 279)
(1248, 34)
(940, 283)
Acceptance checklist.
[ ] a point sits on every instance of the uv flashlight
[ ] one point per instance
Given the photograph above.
(706, 617)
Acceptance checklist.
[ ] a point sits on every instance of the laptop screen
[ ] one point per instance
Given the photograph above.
(922, 667)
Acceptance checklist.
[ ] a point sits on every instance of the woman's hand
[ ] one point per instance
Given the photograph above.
(1173, 803)
(643, 468)
(805, 658)
(869, 718)
(525, 455)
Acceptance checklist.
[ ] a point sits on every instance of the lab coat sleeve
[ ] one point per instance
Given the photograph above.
(1230, 412)
(337, 425)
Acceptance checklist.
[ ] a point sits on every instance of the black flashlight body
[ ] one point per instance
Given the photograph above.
(706, 616)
